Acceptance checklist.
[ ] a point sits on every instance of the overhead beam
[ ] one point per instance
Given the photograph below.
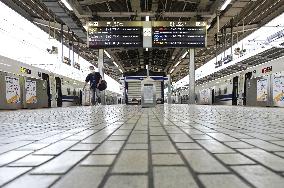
(92, 2)
(152, 14)
(52, 25)
(239, 29)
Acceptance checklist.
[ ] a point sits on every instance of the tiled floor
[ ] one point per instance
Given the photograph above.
(129, 147)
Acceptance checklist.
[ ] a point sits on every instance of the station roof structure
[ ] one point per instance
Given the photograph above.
(244, 16)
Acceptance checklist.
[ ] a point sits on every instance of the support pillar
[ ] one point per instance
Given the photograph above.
(61, 41)
(169, 90)
(73, 53)
(191, 77)
(101, 71)
(232, 37)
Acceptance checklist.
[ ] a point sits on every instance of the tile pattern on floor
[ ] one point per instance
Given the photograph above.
(127, 146)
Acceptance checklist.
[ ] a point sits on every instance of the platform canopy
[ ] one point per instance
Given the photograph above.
(237, 19)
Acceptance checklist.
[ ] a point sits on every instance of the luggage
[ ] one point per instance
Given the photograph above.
(102, 86)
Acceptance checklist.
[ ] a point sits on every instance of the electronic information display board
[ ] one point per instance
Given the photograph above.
(115, 37)
(171, 37)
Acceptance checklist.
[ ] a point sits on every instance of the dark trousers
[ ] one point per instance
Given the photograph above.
(94, 94)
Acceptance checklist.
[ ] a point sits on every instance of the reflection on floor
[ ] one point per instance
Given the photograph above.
(129, 147)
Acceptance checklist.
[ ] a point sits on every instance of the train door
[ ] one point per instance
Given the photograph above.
(213, 96)
(58, 91)
(258, 91)
(247, 77)
(80, 98)
(235, 90)
(46, 77)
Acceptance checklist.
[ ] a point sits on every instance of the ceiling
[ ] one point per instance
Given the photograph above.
(244, 16)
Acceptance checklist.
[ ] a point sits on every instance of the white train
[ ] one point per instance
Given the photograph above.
(261, 85)
(25, 86)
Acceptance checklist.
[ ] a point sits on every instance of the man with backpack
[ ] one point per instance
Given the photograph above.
(95, 79)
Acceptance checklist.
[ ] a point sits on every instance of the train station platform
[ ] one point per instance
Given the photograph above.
(132, 147)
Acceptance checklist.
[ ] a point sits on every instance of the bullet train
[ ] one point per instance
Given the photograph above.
(261, 85)
(24, 86)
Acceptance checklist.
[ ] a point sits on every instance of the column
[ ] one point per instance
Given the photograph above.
(169, 90)
(61, 41)
(191, 77)
(101, 71)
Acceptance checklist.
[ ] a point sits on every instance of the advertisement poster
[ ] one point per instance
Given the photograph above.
(31, 92)
(204, 96)
(12, 90)
(278, 90)
(148, 94)
(262, 89)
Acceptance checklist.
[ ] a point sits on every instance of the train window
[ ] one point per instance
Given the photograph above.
(68, 91)
(225, 90)
(219, 91)
(74, 92)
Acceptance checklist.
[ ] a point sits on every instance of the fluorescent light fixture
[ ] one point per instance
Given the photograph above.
(115, 64)
(172, 71)
(147, 49)
(183, 56)
(147, 18)
(67, 5)
(226, 3)
(177, 64)
(120, 70)
(107, 54)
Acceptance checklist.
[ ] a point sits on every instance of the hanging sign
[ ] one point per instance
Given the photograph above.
(262, 89)
(278, 90)
(31, 92)
(12, 90)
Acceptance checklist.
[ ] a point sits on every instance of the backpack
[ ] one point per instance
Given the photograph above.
(103, 85)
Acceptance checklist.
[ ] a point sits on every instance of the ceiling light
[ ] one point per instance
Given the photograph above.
(107, 54)
(177, 64)
(226, 3)
(120, 70)
(67, 5)
(172, 71)
(115, 64)
(183, 56)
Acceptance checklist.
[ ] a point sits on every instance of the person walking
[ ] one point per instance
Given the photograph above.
(95, 79)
